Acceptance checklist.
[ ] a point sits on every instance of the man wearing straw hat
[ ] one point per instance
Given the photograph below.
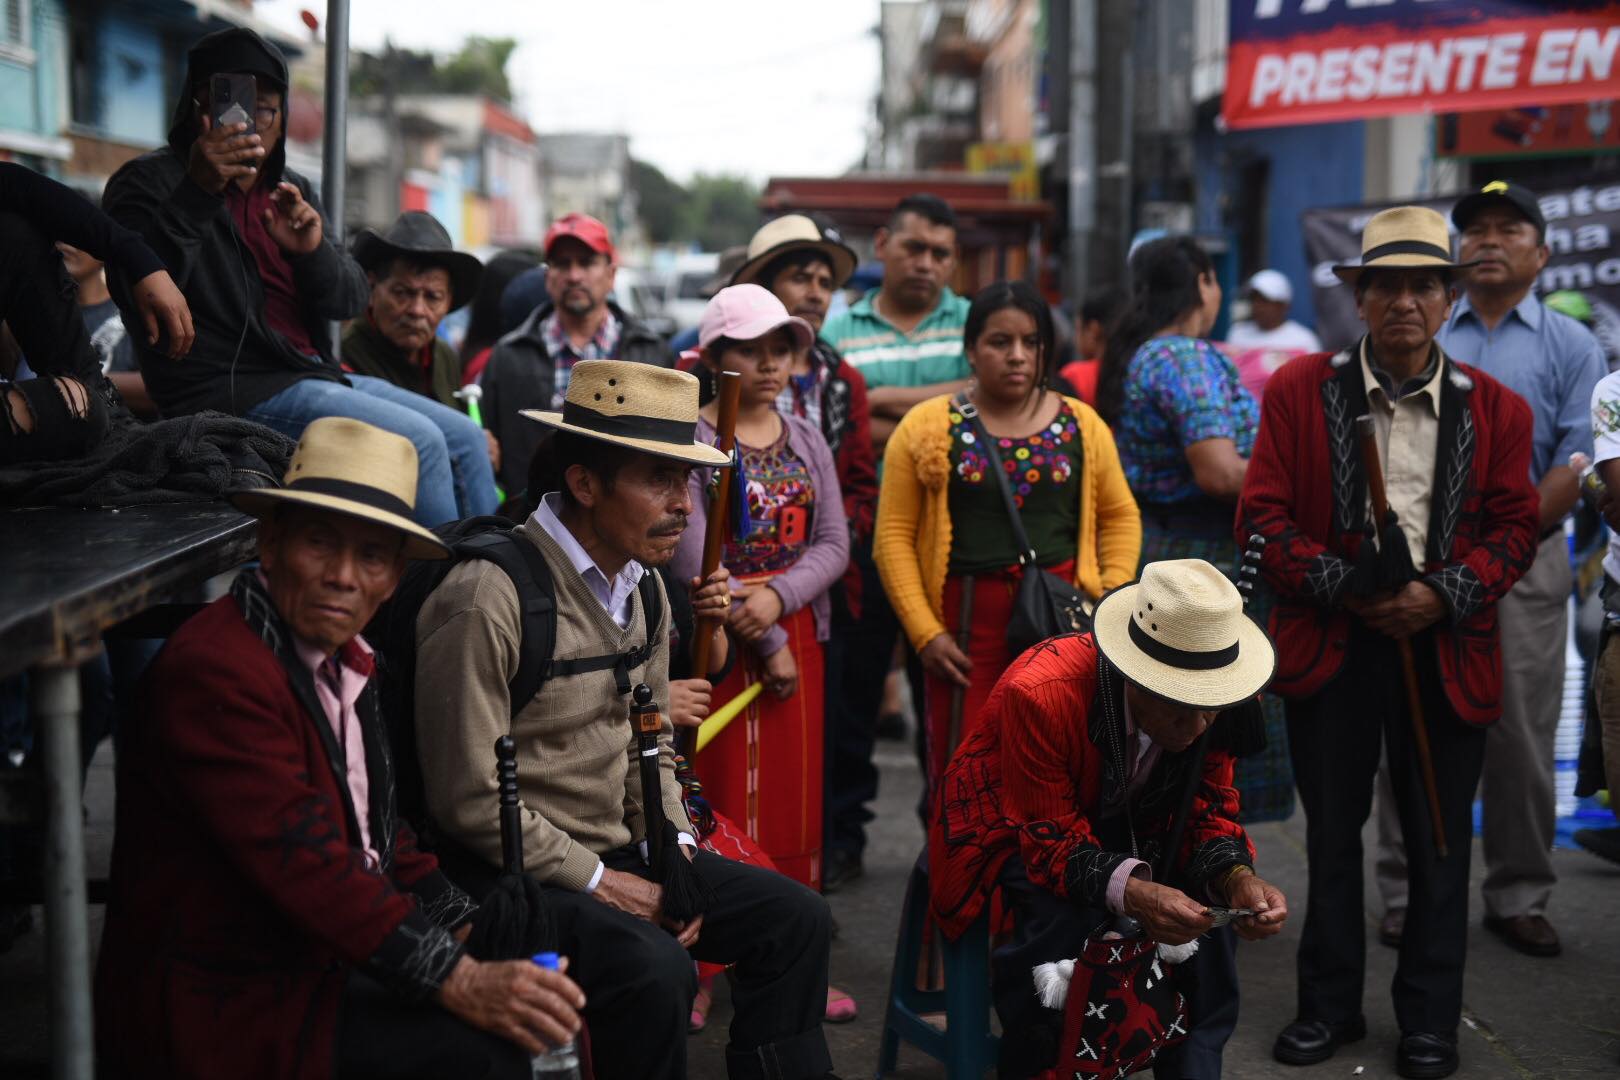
(269, 913)
(1392, 644)
(624, 443)
(1083, 753)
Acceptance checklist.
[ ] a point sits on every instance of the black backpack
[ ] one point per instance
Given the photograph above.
(392, 633)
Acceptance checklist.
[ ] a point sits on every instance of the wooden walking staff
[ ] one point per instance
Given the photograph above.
(728, 385)
(1372, 464)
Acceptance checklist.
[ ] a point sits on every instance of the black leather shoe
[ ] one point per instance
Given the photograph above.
(1306, 1042)
(1424, 1055)
(839, 870)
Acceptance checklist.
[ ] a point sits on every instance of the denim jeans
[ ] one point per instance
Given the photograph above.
(453, 478)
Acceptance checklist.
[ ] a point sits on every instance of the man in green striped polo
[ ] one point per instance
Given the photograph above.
(905, 336)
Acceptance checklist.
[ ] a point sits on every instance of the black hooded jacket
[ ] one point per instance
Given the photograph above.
(238, 360)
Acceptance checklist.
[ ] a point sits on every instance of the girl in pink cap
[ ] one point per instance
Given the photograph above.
(764, 771)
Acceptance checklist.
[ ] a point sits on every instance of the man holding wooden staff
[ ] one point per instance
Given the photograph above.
(1386, 624)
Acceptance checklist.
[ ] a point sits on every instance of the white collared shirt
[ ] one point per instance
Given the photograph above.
(614, 593)
(1408, 432)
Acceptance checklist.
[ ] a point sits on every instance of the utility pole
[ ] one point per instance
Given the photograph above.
(335, 132)
(1115, 136)
(1082, 144)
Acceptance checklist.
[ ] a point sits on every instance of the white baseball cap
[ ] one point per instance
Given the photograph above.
(1272, 285)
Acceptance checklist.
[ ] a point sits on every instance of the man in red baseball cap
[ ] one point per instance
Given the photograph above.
(530, 367)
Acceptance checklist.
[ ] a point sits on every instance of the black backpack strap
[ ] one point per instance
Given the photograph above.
(621, 664)
(537, 600)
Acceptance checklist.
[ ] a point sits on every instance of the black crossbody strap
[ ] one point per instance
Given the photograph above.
(1026, 550)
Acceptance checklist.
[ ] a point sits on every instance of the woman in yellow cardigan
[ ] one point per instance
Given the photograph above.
(942, 526)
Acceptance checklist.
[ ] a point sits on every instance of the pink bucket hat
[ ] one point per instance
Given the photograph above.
(747, 312)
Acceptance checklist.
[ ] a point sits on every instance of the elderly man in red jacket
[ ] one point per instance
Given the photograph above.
(270, 915)
(1454, 446)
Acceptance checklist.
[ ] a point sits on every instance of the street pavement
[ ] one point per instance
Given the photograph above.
(1526, 1019)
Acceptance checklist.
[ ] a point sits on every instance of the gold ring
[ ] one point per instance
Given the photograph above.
(725, 600)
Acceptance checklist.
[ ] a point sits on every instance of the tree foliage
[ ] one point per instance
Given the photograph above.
(713, 212)
(478, 67)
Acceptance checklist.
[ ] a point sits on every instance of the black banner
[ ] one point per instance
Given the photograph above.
(1583, 233)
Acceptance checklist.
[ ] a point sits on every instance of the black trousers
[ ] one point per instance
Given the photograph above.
(857, 663)
(39, 302)
(639, 982)
(1045, 929)
(1334, 739)
(383, 1037)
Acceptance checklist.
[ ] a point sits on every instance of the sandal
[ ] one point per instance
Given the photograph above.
(700, 1009)
(841, 1008)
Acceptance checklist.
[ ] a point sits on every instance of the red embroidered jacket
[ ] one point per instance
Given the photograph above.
(1306, 493)
(1035, 778)
(240, 899)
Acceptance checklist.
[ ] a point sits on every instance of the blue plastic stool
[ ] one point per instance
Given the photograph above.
(967, 1047)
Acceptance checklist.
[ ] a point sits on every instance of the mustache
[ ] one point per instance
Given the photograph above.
(673, 525)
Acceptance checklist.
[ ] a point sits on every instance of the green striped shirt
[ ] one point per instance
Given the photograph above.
(931, 353)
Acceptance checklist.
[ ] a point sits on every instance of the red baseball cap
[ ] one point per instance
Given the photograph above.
(584, 228)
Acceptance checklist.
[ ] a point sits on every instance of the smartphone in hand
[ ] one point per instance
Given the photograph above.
(232, 99)
(1223, 915)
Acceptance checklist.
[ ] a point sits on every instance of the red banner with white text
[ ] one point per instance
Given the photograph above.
(1316, 61)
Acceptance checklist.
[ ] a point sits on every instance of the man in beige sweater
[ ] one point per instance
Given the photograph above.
(624, 446)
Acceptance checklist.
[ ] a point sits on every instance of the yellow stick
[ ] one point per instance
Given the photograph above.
(725, 714)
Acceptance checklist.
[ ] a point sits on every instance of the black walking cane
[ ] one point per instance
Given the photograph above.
(514, 920)
(1372, 464)
(686, 895)
(1248, 574)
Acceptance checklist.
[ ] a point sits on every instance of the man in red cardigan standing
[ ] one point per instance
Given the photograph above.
(1454, 446)
(270, 915)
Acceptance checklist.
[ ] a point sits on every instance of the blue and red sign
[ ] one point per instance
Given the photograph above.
(1315, 61)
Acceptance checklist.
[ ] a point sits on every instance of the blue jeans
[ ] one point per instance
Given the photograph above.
(453, 477)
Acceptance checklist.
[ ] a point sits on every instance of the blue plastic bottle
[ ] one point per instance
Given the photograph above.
(560, 1062)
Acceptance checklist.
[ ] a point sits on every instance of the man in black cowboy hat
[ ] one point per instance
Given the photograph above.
(624, 444)
(417, 278)
(246, 240)
(1391, 649)
(270, 915)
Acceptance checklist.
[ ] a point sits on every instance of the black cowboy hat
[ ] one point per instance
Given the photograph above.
(418, 236)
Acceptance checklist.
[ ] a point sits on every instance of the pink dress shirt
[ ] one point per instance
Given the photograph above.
(339, 681)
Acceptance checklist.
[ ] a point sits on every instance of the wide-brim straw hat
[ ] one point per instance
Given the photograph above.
(419, 237)
(1180, 632)
(1403, 238)
(646, 408)
(795, 232)
(350, 467)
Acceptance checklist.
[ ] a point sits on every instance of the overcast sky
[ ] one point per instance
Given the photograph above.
(737, 86)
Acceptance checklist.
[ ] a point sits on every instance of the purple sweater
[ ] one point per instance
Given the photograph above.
(824, 557)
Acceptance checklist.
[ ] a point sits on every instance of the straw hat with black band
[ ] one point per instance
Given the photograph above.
(418, 237)
(1180, 633)
(1403, 238)
(795, 232)
(351, 468)
(650, 409)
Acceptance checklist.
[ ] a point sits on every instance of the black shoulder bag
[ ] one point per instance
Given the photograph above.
(1046, 605)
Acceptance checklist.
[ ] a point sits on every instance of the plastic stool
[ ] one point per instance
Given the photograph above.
(967, 1047)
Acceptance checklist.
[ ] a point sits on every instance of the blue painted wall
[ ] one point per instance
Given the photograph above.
(30, 95)
(1311, 166)
(130, 78)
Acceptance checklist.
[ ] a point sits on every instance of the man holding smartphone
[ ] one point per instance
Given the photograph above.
(246, 241)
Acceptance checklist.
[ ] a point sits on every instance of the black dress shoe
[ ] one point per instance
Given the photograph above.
(1424, 1055)
(839, 869)
(1306, 1042)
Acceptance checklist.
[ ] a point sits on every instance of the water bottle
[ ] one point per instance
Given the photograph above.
(560, 1062)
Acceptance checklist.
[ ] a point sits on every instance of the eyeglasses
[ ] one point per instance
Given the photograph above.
(264, 116)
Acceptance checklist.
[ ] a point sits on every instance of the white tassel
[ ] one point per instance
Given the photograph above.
(1052, 983)
(1052, 980)
(1178, 954)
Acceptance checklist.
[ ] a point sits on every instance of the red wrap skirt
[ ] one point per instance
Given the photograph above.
(763, 772)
